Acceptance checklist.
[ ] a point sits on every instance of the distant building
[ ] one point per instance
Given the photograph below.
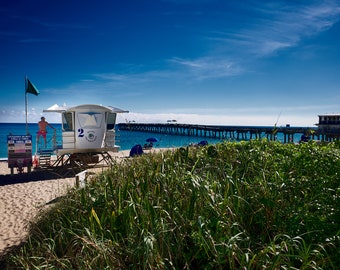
(329, 126)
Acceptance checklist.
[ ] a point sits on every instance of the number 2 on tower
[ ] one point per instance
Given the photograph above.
(80, 132)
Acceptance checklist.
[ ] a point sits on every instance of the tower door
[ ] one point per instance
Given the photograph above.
(90, 129)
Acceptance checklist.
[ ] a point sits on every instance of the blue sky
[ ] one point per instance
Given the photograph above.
(196, 61)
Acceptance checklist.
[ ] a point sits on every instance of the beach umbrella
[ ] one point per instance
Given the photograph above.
(152, 139)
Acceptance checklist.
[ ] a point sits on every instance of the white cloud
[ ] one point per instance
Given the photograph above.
(227, 120)
(304, 116)
(207, 67)
(282, 26)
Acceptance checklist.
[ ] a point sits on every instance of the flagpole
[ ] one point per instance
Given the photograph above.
(26, 102)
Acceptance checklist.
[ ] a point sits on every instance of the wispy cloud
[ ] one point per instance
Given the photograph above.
(274, 27)
(283, 26)
(48, 24)
(207, 67)
(42, 24)
(34, 40)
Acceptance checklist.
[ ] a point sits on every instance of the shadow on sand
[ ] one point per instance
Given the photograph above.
(33, 176)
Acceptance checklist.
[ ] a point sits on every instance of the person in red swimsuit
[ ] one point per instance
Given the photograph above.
(42, 129)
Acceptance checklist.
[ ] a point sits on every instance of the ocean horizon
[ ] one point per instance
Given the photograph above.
(125, 139)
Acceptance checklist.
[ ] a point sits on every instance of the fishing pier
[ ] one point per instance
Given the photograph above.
(225, 132)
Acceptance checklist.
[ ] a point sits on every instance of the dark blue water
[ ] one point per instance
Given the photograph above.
(125, 139)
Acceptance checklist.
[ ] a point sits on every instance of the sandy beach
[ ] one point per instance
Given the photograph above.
(22, 196)
(21, 200)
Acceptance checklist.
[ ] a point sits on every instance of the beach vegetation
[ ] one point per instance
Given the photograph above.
(235, 205)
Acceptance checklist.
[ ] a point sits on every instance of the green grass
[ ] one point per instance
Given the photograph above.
(246, 205)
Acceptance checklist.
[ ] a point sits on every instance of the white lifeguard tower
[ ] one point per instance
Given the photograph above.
(87, 133)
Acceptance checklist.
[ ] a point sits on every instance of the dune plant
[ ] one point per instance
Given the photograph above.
(234, 205)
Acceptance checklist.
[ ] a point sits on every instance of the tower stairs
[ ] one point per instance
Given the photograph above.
(45, 157)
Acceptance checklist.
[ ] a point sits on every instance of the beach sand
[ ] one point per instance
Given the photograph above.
(22, 196)
(21, 201)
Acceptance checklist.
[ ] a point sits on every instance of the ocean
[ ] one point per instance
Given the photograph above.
(125, 139)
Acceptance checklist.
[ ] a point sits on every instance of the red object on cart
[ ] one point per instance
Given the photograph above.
(19, 152)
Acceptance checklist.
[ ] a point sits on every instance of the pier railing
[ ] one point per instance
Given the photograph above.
(229, 132)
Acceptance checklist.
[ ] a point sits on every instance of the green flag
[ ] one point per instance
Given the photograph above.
(31, 88)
